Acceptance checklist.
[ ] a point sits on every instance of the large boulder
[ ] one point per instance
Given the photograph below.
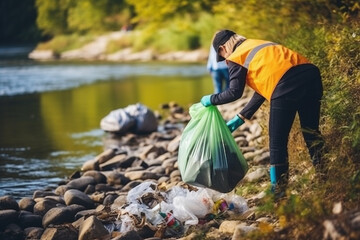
(74, 196)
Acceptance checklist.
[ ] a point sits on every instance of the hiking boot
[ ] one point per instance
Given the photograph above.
(279, 177)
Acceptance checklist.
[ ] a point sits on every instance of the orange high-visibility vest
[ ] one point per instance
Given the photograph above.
(266, 63)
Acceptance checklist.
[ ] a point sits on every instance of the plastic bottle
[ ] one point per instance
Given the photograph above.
(220, 205)
(171, 221)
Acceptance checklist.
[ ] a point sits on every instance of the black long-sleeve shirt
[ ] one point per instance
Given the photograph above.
(286, 84)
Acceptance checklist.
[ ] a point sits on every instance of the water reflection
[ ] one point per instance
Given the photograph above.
(81, 109)
(45, 136)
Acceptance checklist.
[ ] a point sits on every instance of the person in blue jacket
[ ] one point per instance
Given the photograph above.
(219, 72)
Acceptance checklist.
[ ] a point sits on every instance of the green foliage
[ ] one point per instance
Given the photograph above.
(247, 189)
(82, 16)
(159, 11)
(91, 15)
(342, 81)
(85, 15)
(124, 42)
(179, 35)
(185, 32)
(52, 15)
(355, 186)
(64, 43)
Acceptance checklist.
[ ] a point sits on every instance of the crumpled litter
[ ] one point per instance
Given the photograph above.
(170, 213)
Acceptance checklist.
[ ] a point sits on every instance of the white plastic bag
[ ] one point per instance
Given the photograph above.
(134, 118)
(127, 224)
(145, 119)
(117, 121)
(196, 204)
(135, 193)
(175, 191)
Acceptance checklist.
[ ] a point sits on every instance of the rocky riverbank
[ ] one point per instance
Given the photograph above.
(90, 203)
(133, 190)
(96, 50)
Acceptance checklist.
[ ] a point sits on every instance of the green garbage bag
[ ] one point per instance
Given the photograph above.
(208, 154)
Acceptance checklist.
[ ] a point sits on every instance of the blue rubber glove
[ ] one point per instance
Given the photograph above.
(234, 123)
(205, 100)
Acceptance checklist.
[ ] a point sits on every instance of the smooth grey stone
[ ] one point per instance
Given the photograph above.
(75, 175)
(174, 144)
(30, 220)
(109, 199)
(116, 162)
(106, 155)
(98, 176)
(58, 215)
(27, 204)
(57, 199)
(8, 202)
(139, 163)
(89, 189)
(169, 163)
(142, 175)
(81, 183)
(44, 205)
(33, 232)
(11, 231)
(101, 187)
(117, 178)
(60, 190)
(131, 185)
(264, 158)
(75, 208)
(119, 202)
(42, 194)
(74, 196)
(8, 216)
(85, 213)
(92, 228)
(92, 164)
(61, 233)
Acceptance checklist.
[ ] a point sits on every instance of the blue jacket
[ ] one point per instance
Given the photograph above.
(212, 64)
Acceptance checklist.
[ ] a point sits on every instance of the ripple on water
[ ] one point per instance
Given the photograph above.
(32, 78)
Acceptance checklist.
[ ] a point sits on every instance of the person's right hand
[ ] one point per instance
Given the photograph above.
(234, 123)
(206, 100)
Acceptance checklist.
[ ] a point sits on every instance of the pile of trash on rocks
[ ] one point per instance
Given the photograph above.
(133, 190)
(170, 213)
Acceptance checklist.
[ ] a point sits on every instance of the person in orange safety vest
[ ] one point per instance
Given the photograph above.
(284, 78)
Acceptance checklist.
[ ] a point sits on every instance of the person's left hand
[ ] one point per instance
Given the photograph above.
(206, 100)
(234, 123)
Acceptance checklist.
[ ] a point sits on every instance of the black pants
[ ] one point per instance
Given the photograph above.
(304, 100)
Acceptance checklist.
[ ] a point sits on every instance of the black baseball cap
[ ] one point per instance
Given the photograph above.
(220, 39)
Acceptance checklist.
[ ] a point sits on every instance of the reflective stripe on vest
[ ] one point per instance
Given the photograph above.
(254, 51)
(266, 63)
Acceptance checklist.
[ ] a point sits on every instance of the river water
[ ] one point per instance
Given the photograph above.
(50, 113)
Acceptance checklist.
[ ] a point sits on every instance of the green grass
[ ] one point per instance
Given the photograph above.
(119, 44)
(64, 43)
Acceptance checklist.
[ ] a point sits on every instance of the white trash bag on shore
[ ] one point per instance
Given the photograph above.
(134, 118)
(145, 120)
(117, 121)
